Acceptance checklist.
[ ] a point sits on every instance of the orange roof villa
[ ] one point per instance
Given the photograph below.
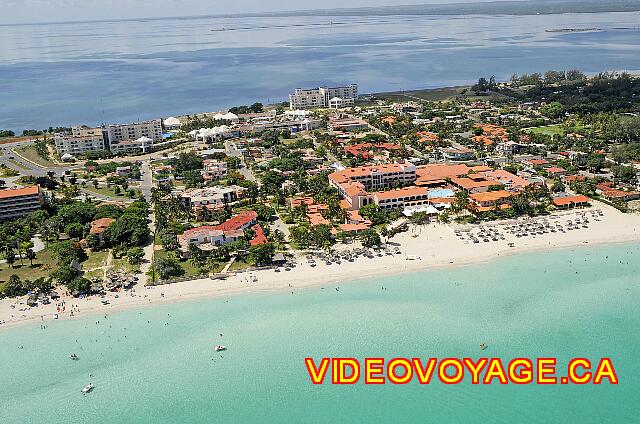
(485, 202)
(210, 237)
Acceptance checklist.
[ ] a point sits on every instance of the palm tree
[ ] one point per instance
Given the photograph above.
(384, 232)
(461, 202)
(277, 237)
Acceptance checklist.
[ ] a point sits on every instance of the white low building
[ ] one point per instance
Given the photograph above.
(338, 103)
(212, 134)
(231, 117)
(297, 114)
(172, 123)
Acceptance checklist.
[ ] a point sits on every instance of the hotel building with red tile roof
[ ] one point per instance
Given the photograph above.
(570, 201)
(209, 237)
(486, 201)
(401, 197)
(475, 183)
(260, 237)
(354, 183)
(611, 193)
(99, 226)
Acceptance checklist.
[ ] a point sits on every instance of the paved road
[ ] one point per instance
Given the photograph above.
(328, 154)
(147, 180)
(9, 157)
(232, 150)
(147, 260)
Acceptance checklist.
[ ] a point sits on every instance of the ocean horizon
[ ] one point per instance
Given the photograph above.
(157, 363)
(122, 71)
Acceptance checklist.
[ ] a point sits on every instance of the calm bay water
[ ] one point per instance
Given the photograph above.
(65, 74)
(567, 303)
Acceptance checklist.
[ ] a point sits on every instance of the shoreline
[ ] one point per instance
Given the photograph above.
(436, 244)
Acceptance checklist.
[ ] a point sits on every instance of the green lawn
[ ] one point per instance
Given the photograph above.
(30, 153)
(104, 191)
(550, 130)
(98, 273)
(96, 260)
(123, 264)
(239, 266)
(44, 263)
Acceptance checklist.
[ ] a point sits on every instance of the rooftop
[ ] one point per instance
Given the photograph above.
(19, 192)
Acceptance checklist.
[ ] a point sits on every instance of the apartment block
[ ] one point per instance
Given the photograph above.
(214, 169)
(323, 97)
(210, 197)
(17, 202)
(81, 140)
(121, 132)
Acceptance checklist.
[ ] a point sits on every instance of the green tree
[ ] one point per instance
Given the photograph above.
(168, 267)
(135, 255)
(595, 162)
(261, 254)
(79, 284)
(74, 230)
(256, 107)
(374, 213)
(624, 173)
(14, 287)
(272, 182)
(557, 187)
(552, 110)
(130, 229)
(196, 254)
(43, 285)
(64, 274)
(265, 213)
(31, 255)
(10, 257)
(370, 238)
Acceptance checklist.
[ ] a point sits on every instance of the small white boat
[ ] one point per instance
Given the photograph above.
(87, 388)
(74, 357)
(220, 348)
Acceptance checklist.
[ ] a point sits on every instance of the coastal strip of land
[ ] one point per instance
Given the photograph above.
(421, 248)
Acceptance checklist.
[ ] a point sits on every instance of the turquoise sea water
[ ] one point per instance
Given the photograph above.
(583, 302)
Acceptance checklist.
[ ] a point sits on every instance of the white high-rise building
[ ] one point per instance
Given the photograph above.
(120, 132)
(321, 96)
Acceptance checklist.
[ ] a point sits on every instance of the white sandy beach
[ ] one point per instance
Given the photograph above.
(436, 245)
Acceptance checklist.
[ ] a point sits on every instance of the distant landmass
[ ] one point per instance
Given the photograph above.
(511, 7)
(546, 7)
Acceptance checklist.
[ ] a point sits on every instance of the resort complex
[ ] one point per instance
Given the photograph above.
(329, 181)
(319, 212)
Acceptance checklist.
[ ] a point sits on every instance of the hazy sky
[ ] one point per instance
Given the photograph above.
(21, 11)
